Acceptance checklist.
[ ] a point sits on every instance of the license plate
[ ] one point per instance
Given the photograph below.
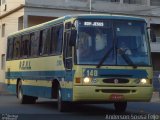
(116, 97)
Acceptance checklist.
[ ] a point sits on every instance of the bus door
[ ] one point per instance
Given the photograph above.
(68, 63)
(67, 53)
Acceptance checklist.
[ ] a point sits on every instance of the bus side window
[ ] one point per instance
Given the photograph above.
(67, 50)
(67, 35)
(34, 43)
(25, 46)
(16, 51)
(44, 41)
(60, 40)
(56, 40)
(10, 49)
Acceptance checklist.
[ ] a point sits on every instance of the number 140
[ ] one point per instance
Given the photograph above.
(92, 73)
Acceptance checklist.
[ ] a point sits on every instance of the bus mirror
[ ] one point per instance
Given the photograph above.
(69, 63)
(153, 36)
(73, 38)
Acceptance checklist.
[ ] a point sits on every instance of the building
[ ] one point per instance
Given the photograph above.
(18, 14)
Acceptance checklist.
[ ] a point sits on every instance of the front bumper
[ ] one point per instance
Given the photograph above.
(98, 93)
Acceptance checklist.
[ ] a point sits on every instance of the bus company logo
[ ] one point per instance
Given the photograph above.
(116, 81)
(25, 65)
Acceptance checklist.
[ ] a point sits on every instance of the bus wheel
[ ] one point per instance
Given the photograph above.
(61, 104)
(24, 99)
(120, 106)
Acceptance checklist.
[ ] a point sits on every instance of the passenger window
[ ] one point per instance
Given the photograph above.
(10, 48)
(44, 41)
(25, 46)
(68, 47)
(56, 40)
(16, 51)
(34, 43)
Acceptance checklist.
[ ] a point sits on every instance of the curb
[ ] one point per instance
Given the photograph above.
(5, 93)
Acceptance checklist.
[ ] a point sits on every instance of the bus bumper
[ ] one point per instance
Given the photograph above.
(111, 94)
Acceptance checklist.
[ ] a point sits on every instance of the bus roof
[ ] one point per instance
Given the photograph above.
(78, 16)
(106, 16)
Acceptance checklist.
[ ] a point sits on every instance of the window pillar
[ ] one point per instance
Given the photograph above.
(25, 21)
(121, 1)
(148, 2)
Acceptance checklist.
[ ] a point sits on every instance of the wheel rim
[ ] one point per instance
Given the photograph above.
(20, 95)
(59, 100)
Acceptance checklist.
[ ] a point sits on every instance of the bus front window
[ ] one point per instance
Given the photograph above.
(94, 39)
(132, 42)
(112, 42)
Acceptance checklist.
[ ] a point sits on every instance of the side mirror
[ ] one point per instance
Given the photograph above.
(69, 63)
(73, 37)
(153, 36)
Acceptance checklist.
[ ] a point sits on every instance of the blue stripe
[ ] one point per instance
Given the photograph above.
(37, 91)
(67, 94)
(41, 75)
(121, 73)
(11, 88)
(46, 92)
(40, 91)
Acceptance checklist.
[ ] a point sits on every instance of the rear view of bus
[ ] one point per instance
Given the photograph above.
(112, 60)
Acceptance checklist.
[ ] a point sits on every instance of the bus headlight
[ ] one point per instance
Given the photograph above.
(143, 81)
(87, 80)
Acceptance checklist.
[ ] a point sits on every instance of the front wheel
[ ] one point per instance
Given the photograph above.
(62, 105)
(24, 99)
(120, 106)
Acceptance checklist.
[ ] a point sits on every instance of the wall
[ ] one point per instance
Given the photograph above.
(99, 5)
(10, 5)
(34, 20)
(11, 23)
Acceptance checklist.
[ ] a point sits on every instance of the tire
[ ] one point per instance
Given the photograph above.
(62, 105)
(24, 99)
(120, 106)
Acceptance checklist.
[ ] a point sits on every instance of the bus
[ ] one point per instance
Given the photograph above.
(85, 58)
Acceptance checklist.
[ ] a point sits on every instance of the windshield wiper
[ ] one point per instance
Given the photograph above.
(104, 58)
(128, 60)
(124, 56)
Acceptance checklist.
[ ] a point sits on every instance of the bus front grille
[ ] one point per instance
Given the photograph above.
(115, 91)
(115, 80)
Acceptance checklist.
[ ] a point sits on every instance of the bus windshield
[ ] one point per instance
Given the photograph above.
(112, 42)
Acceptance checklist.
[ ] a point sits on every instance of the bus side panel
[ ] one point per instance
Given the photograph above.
(11, 88)
(67, 85)
(10, 85)
(67, 94)
(46, 91)
(37, 77)
(37, 91)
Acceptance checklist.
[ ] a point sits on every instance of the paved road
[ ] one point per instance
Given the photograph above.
(45, 109)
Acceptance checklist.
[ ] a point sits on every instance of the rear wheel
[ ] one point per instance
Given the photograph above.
(120, 106)
(24, 99)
